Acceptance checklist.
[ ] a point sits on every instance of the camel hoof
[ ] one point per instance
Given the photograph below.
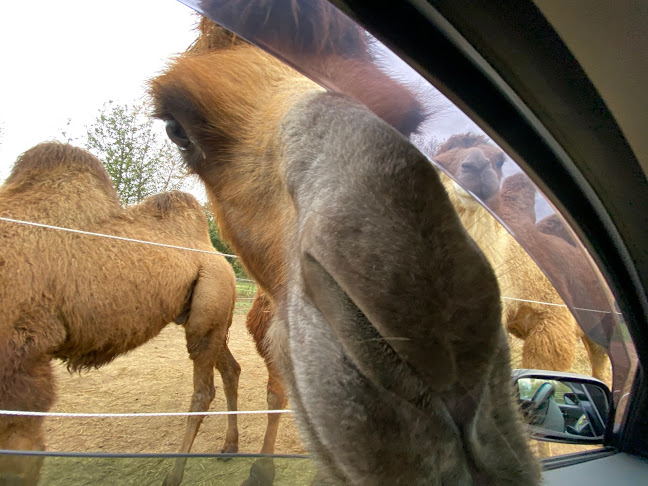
(262, 473)
(228, 449)
(8, 479)
(171, 480)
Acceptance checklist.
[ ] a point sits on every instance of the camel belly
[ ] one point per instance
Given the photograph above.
(116, 309)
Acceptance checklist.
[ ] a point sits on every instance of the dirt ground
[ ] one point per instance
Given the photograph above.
(157, 377)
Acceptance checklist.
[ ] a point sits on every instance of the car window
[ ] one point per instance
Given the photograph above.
(522, 209)
(591, 333)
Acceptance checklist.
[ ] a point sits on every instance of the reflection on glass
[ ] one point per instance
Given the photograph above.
(529, 216)
(540, 230)
(563, 410)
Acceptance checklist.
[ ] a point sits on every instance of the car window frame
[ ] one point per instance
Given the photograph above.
(471, 53)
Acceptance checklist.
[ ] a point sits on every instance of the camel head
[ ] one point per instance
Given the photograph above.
(387, 317)
(475, 163)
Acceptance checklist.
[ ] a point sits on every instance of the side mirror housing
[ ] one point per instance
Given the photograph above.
(563, 407)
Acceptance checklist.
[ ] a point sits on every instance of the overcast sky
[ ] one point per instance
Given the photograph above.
(64, 59)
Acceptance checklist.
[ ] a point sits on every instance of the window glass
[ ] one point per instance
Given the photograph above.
(156, 378)
(521, 207)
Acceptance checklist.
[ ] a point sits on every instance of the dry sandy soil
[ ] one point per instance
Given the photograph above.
(158, 378)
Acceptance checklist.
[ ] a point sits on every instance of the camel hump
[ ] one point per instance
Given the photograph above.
(519, 191)
(49, 156)
(462, 141)
(168, 202)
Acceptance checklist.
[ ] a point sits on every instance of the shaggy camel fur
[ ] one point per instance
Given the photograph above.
(550, 332)
(379, 92)
(86, 300)
(397, 368)
(556, 251)
(552, 225)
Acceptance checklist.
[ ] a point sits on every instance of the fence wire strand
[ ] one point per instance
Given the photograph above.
(25, 413)
(114, 237)
(178, 414)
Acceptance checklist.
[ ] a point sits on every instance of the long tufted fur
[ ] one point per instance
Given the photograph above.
(550, 332)
(397, 367)
(86, 299)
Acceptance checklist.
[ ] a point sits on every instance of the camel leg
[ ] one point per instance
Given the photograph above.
(262, 472)
(258, 321)
(206, 333)
(203, 395)
(31, 388)
(230, 370)
(276, 401)
(26, 434)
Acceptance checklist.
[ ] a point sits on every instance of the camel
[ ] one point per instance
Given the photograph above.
(386, 326)
(378, 94)
(86, 299)
(549, 332)
(552, 225)
(555, 250)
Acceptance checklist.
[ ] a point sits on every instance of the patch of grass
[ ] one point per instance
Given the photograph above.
(245, 291)
(242, 307)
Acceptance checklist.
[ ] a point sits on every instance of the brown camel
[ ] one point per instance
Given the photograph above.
(379, 94)
(550, 332)
(553, 225)
(386, 322)
(556, 251)
(87, 299)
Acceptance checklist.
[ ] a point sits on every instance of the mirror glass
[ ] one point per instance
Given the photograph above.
(568, 411)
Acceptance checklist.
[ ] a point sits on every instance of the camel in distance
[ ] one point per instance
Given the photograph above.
(532, 308)
(86, 299)
(386, 319)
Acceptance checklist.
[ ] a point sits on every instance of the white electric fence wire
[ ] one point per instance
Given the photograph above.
(182, 414)
(142, 414)
(121, 238)
(132, 240)
(558, 305)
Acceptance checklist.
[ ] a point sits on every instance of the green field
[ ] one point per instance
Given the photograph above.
(245, 292)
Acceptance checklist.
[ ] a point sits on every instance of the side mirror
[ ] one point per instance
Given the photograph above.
(563, 407)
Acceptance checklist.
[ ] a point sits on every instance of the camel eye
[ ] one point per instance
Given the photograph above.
(176, 133)
(500, 162)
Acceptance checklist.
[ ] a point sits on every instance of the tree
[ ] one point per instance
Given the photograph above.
(221, 245)
(428, 144)
(139, 161)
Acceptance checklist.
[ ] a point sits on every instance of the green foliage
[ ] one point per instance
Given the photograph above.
(222, 245)
(140, 162)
